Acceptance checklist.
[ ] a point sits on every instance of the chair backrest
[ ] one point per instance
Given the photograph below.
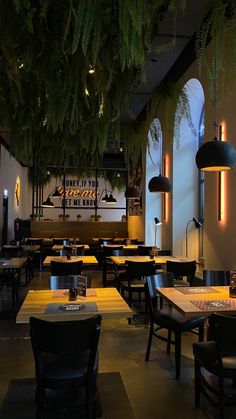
(161, 280)
(58, 241)
(144, 250)
(139, 269)
(78, 336)
(162, 252)
(106, 242)
(181, 269)
(66, 268)
(12, 252)
(214, 277)
(56, 282)
(112, 250)
(220, 329)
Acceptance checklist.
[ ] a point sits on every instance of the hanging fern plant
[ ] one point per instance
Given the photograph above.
(220, 28)
(50, 101)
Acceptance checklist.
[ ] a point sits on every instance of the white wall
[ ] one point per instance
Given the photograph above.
(152, 199)
(11, 172)
(185, 177)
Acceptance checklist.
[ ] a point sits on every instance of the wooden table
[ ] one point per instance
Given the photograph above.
(199, 301)
(87, 260)
(109, 303)
(12, 263)
(159, 260)
(58, 247)
(26, 248)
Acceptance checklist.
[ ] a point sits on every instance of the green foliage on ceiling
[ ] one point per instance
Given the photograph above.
(50, 100)
(220, 59)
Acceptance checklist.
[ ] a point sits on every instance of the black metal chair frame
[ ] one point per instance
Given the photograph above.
(108, 251)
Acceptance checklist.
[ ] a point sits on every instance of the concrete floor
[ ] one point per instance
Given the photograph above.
(151, 387)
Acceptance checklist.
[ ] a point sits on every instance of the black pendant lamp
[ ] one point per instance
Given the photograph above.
(56, 193)
(216, 156)
(132, 192)
(111, 199)
(48, 203)
(159, 184)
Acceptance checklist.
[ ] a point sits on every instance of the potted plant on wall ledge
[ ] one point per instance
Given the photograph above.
(78, 217)
(97, 217)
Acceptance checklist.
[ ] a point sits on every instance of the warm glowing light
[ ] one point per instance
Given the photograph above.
(222, 181)
(91, 69)
(166, 195)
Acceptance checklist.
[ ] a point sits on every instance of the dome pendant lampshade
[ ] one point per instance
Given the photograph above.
(48, 203)
(132, 192)
(56, 193)
(111, 199)
(159, 184)
(216, 155)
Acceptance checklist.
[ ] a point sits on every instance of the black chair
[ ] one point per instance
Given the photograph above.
(216, 359)
(133, 279)
(162, 252)
(56, 282)
(107, 264)
(144, 250)
(66, 362)
(66, 268)
(10, 279)
(167, 317)
(214, 277)
(182, 269)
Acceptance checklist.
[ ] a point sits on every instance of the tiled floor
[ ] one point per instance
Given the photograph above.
(151, 387)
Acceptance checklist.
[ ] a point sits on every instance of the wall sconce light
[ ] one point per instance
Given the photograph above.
(5, 193)
(197, 225)
(17, 192)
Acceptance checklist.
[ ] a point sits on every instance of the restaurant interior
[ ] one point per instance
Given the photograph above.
(117, 178)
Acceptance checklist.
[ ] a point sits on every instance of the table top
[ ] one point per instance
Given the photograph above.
(159, 260)
(58, 247)
(12, 263)
(109, 304)
(114, 239)
(50, 239)
(87, 260)
(24, 247)
(199, 301)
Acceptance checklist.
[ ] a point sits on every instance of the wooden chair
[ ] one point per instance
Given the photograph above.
(216, 277)
(216, 358)
(66, 362)
(169, 318)
(182, 269)
(107, 264)
(133, 280)
(57, 282)
(66, 268)
(144, 250)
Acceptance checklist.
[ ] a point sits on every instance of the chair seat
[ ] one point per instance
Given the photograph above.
(134, 284)
(206, 354)
(174, 320)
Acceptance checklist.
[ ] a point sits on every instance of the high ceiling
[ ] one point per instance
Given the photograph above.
(158, 65)
(53, 105)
